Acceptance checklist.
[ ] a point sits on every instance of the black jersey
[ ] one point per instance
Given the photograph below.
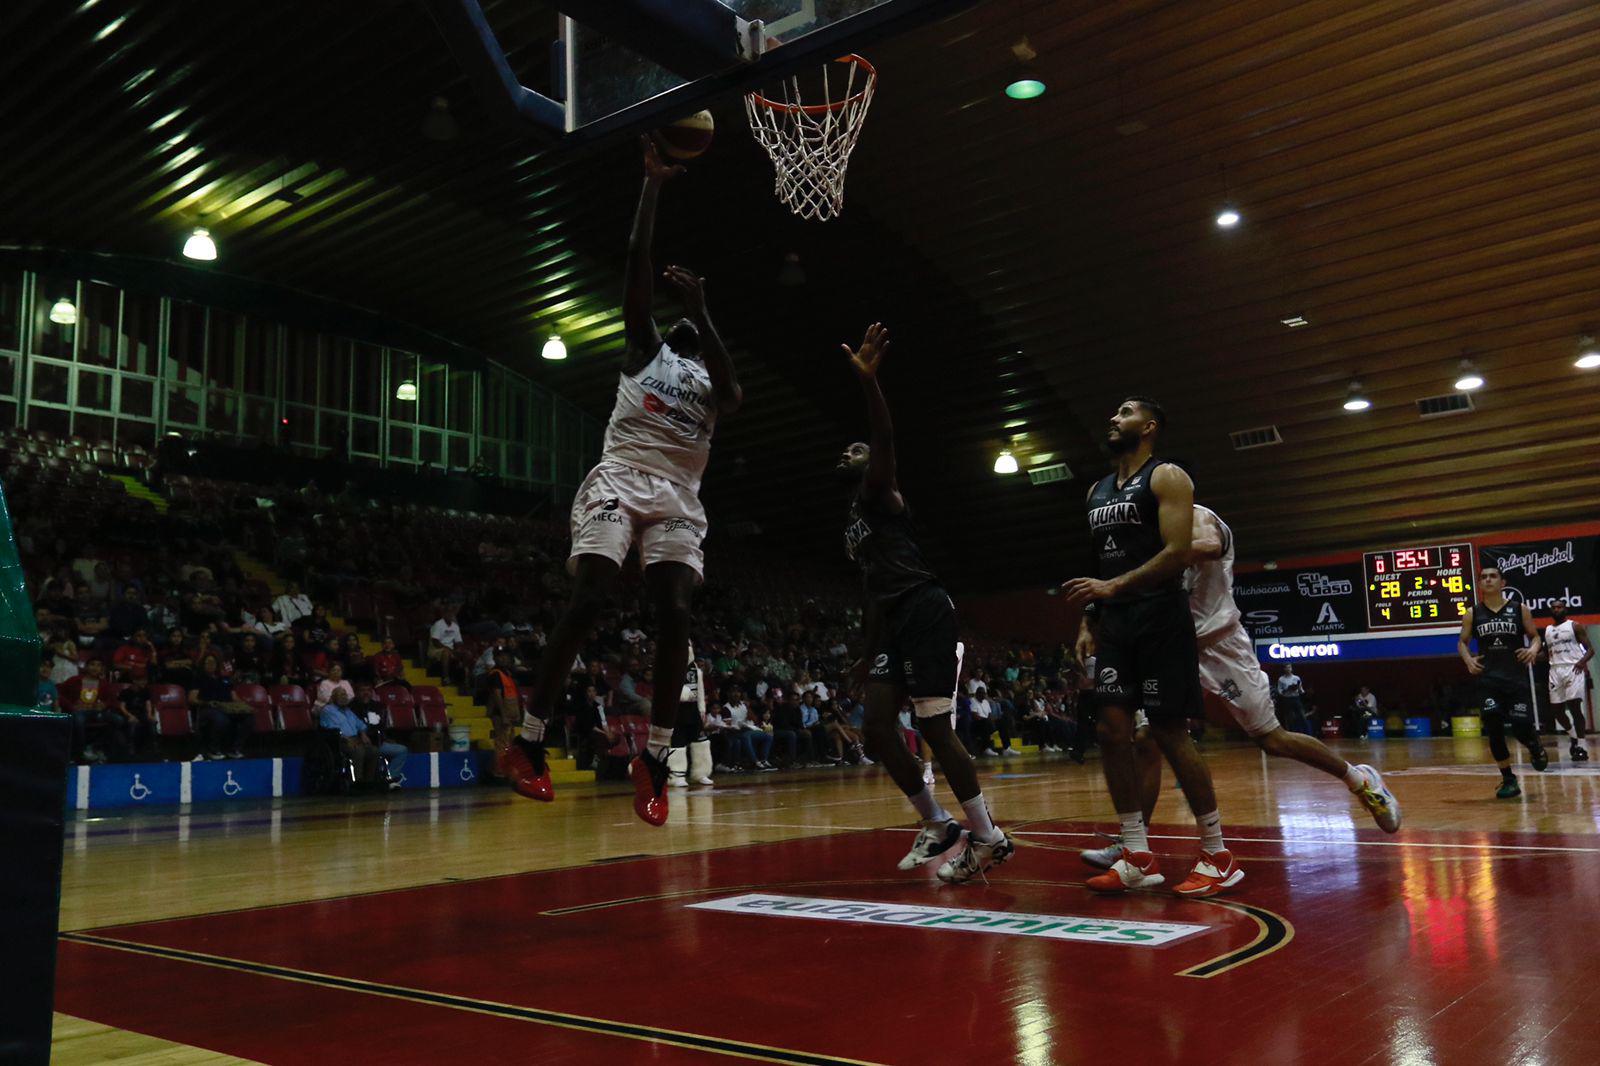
(1500, 636)
(1125, 525)
(884, 545)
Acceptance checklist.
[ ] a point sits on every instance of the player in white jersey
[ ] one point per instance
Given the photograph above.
(1570, 651)
(644, 491)
(1229, 669)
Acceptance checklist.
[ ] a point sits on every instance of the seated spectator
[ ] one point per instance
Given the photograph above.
(222, 722)
(65, 663)
(629, 699)
(91, 618)
(320, 658)
(788, 731)
(101, 583)
(747, 734)
(844, 737)
(357, 667)
(595, 734)
(46, 696)
(811, 722)
(292, 606)
(354, 742)
(134, 703)
(484, 665)
(331, 686)
(250, 665)
(443, 639)
(175, 661)
(388, 666)
(986, 721)
(315, 628)
(134, 659)
(392, 752)
(286, 666)
(129, 615)
(85, 698)
(266, 624)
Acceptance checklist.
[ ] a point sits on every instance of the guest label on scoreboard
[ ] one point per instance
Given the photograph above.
(1416, 587)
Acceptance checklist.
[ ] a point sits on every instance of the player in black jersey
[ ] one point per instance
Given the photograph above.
(1138, 626)
(909, 643)
(1508, 642)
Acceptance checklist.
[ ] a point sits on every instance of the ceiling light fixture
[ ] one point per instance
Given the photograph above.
(64, 313)
(406, 391)
(1294, 321)
(1355, 398)
(1228, 217)
(554, 349)
(1005, 463)
(1467, 377)
(1588, 354)
(1025, 89)
(200, 245)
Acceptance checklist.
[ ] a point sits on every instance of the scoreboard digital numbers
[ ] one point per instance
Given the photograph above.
(1414, 587)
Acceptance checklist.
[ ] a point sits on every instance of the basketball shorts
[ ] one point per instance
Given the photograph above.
(1146, 656)
(1229, 669)
(618, 506)
(1566, 682)
(1509, 697)
(917, 649)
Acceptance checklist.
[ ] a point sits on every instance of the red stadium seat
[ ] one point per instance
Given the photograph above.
(398, 702)
(294, 709)
(169, 706)
(260, 703)
(431, 710)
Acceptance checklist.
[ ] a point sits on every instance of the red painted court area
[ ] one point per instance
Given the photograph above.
(1444, 947)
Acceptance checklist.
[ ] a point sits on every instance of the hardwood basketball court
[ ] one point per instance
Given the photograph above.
(486, 927)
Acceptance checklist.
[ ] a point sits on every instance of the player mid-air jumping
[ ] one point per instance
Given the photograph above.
(1230, 670)
(646, 491)
(909, 643)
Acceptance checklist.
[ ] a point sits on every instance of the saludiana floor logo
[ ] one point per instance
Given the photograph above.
(1048, 926)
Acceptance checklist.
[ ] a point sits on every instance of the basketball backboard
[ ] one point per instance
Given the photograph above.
(679, 55)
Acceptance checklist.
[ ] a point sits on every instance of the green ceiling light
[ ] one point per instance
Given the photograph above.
(64, 313)
(407, 390)
(1025, 89)
(554, 349)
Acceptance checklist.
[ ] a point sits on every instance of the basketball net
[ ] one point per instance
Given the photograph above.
(810, 144)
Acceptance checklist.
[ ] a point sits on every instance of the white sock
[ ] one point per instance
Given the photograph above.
(979, 821)
(660, 742)
(1211, 832)
(1133, 832)
(532, 728)
(928, 808)
(1354, 779)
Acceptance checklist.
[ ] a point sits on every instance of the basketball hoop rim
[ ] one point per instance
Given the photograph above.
(822, 109)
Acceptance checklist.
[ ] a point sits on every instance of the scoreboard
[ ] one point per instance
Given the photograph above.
(1414, 587)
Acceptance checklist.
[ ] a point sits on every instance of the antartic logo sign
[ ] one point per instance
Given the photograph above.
(1048, 926)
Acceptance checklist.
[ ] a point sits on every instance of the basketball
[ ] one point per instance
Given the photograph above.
(687, 138)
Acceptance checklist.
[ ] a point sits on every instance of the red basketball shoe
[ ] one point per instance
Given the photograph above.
(1135, 869)
(523, 761)
(1215, 872)
(649, 777)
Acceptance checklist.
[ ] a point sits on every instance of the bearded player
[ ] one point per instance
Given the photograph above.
(1569, 650)
(1141, 518)
(1508, 642)
(1229, 669)
(644, 491)
(909, 644)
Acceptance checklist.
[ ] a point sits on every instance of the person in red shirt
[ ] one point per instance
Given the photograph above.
(132, 660)
(387, 666)
(85, 697)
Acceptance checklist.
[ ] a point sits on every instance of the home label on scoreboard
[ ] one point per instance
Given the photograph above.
(1412, 587)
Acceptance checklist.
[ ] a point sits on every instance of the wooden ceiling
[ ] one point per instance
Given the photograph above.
(1417, 179)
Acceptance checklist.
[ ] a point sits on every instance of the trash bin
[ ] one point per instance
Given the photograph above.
(1466, 725)
(1375, 729)
(1419, 727)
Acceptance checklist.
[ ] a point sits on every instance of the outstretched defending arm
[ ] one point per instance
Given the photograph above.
(638, 294)
(719, 364)
(880, 482)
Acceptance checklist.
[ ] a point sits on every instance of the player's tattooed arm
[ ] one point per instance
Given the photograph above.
(638, 294)
(1464, 647)
(880, 482)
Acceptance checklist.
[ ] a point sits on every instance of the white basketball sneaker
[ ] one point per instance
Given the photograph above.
(1376, 798)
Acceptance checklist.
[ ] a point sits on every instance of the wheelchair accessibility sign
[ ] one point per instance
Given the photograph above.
(138, 791)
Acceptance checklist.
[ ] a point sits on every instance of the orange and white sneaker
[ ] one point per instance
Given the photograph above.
(1215, 872)
(1135, 869)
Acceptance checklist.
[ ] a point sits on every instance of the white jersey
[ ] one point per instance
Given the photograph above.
(1210, 586)
(1562, 643)
(663, 419)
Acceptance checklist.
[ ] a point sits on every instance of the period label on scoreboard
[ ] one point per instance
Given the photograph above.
(1422, 586)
